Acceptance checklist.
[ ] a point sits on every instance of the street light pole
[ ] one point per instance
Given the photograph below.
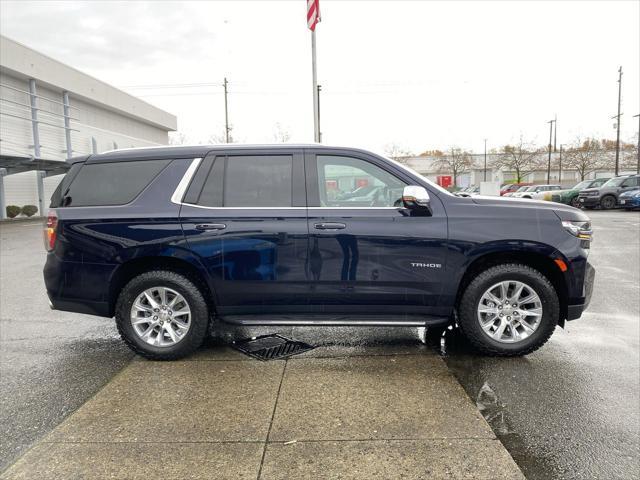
(550, 122)
(560, 166)
(618, 121)
(226, 112)
(485, 159)
(638, 152)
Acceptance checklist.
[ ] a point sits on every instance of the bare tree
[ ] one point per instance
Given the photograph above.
(522, 158)
(281, 134)
(178, 138)
(221, 137)
(586, 155)
(456, 162)
(396, 152)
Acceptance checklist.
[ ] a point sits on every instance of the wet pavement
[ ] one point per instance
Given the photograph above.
(50, 362)
(570, 410)
(335, 412)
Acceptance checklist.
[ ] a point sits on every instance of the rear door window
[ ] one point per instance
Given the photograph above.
(115, 183)
(249, 181)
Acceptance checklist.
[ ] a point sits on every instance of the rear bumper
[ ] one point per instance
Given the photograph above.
(78, 287)
(575, 311)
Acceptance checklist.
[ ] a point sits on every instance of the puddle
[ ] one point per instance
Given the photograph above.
(492, 410)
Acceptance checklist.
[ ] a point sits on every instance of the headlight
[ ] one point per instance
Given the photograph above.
(579, 229)
(637, 195)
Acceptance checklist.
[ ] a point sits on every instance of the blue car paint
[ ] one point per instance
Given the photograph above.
(631, 199)
(274, 260)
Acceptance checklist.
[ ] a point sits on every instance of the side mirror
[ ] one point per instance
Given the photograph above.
(415, 197)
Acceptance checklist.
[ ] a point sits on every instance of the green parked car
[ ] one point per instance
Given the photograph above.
(570, 196)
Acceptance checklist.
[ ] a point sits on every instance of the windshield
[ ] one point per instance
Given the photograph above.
(614, 182)
(582, 185)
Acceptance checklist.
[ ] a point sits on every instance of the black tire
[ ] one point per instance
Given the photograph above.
(185, 287)
(470, 326)
(574, 202)
(607, 202)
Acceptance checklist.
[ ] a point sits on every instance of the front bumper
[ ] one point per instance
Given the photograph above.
(589, 201)
(629, 202)
(575, 311)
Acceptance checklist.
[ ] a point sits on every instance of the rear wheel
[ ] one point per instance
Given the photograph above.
(508, 310)
(607, 202)
(162, 315)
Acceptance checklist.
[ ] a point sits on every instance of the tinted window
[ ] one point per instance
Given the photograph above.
(630, 182)
(111, 183)
(63, 186)
(249, 181)
(351, 182)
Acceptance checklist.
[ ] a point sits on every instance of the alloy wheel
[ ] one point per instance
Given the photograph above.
(160, 316)
(509, 311)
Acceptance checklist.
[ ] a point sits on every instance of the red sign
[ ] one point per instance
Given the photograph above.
(444, 180)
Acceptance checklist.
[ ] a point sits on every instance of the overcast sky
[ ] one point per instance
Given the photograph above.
(423, 74)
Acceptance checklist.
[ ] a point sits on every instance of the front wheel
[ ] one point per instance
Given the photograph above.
(575, 202)
(508, 310)
(162, 315)
(608, 202)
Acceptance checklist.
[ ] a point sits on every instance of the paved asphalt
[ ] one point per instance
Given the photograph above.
(570, 410)
(50, 362)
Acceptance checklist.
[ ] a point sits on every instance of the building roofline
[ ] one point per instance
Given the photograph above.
(23, 61)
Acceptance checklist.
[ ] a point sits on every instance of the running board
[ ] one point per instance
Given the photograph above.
(336, 320)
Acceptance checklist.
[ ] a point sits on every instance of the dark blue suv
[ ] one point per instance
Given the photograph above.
(172, 240)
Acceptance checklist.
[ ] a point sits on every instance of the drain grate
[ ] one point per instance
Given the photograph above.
(271, 347)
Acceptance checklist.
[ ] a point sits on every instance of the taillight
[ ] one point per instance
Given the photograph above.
(50, 231)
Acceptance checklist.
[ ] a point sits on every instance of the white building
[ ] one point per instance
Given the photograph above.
(428, 167)
(50, 112)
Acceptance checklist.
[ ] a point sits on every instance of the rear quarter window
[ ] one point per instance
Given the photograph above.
(115, 183)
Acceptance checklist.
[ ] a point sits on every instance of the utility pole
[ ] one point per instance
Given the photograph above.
(226, 112)
(638, 151)
(560, 166)
(550, 122)
(485, 159)
(319, 130)
(555, 133)
(618, 121)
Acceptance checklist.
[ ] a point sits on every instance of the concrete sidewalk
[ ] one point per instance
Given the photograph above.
(374, 412)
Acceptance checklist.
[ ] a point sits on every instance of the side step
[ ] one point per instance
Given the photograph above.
(402, 320)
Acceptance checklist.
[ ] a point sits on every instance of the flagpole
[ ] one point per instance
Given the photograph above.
(316, 120)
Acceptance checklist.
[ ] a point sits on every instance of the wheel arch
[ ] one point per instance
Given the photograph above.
(542, 262)
(189, 267)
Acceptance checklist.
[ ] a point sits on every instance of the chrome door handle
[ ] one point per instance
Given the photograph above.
(330, 226)
(211, 226)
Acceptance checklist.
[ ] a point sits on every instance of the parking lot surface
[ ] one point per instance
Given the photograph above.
(328, 414)
(572, 409)
(368, 403)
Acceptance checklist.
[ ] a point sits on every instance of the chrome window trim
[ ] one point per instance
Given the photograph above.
(288, 208)
(181, 189)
